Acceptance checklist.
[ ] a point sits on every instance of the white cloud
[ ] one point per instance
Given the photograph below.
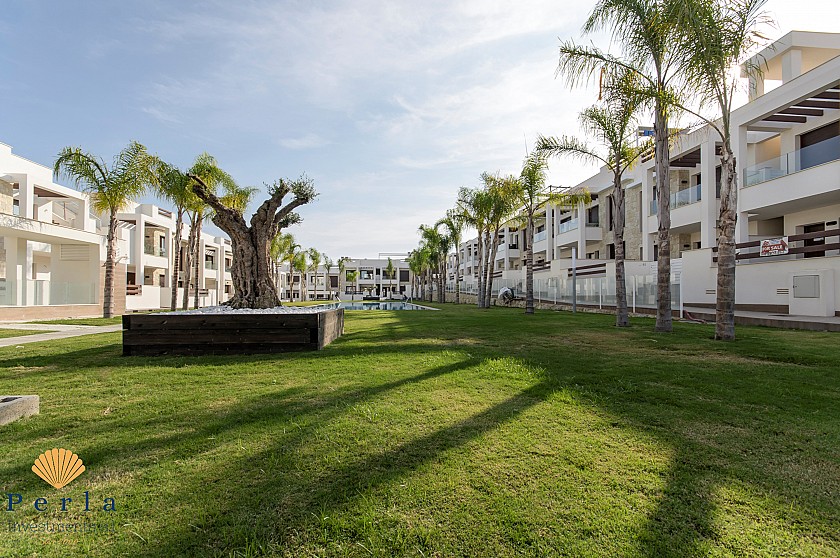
(308, 141)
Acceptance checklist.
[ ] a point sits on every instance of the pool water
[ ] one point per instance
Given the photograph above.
(383, 305)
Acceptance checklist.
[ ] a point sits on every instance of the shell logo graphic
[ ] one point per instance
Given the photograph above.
(58, 467)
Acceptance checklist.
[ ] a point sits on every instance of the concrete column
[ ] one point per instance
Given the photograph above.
(647, 196)
(139, 250)
(581, 217)
(26, 197)
(742, 161)
(708, 201)
(549, 227)
(791, 65)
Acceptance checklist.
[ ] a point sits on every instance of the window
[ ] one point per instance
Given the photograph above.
(819, 146)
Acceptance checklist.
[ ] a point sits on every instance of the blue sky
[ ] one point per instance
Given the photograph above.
(389, 106)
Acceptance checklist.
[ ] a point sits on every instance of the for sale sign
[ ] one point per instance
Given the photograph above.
(774, 246)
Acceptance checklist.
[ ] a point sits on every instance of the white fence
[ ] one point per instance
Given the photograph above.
(591, 291)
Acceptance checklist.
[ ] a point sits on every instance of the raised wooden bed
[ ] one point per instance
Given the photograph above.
(219, 334)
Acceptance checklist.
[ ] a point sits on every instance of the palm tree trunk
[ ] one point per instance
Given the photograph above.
(198, 259)
(663, 184)
(492, 268)
(176, 258)
(457, 274)
(621, 317)
(108, 303)
(725, 303)
(188, 264)
(485, 270)
(480, 274)
(529, 266)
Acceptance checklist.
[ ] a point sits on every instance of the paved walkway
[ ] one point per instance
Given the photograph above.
(789, 321)
(52, 332)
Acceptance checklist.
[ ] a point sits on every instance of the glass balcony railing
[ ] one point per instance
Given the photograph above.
(795, 161)
(568, 226)
(540, 236)
(209, 265)
(38, 292)
(154, 250)
(679, 199)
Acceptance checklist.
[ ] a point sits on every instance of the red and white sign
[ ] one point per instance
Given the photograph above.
(774, 246)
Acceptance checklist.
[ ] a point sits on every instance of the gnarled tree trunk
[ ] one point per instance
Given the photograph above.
(251, 272)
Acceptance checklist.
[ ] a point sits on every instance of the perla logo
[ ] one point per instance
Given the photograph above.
(58, 467)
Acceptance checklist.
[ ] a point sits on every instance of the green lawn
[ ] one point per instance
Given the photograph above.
(4, 333)
(83, 321)
(452, 433)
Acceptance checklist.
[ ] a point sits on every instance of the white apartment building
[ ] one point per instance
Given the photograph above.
(786, 141)
(150, 234)
(361, 278)
(52, 250)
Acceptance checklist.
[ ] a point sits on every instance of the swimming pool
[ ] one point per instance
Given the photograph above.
(381, 305)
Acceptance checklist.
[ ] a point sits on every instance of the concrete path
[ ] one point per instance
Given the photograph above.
(71, 331)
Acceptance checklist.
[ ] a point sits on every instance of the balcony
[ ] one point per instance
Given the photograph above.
(795, 161)
(679, 198)
(540, 236)
(568, 226)
(151, 250)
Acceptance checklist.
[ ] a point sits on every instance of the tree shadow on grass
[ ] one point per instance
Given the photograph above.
(255, 506)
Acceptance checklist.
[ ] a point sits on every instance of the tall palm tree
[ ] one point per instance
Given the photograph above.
(342, 266)
(454, 223)
(314, 264)
(647, 34)
(436, 245)
(502, 194)
(208, 171)
(475, 205)
(111, 189)
(301, 265)
(720, 34)
(532, 193)
(328, 263)
(174, 186)
(279, 249)
(611, 126)
(389, 270)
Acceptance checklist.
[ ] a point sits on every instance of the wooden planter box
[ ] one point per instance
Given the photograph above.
(222, 334)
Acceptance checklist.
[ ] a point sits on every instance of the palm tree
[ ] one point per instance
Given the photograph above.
(281, 245)
(301, 265)
(720, 34)
(502, 194)
(647, 33)
(328, 263)
(342, 265)
(389, 270)
(611, 126)
(454, 224)
(174, 186)
(531, 194)
(206, 169)
(436, 246)
(111, 189)
(314, 264)
(475, 204)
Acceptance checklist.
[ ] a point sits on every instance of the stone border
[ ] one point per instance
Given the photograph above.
(14, 407)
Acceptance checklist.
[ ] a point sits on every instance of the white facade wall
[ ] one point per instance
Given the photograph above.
(780, 194)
